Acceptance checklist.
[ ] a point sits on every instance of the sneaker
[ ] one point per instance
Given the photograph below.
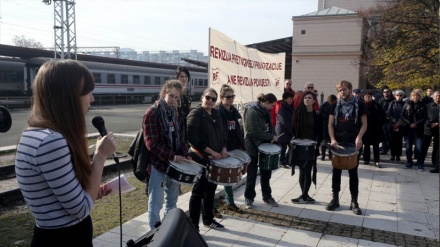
(217, 214)
(310, 200)
(271, 202)
(392, 157)
(287, 166)
(299, 200)
(435, 170)
(248, 203)
(232, 207)
(215, 225)
(408, 166)
(377, 165)
(282, 166)
(398, 158)
(421, 169)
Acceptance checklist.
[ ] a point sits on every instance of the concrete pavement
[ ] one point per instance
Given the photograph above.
(400, 208)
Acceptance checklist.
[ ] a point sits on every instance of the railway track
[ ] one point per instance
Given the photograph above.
(10, 194)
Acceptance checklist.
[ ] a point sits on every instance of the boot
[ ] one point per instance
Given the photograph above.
(354, 205)
(323, 149)
(334, 203)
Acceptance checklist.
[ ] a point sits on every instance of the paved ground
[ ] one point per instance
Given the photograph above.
(400, 208)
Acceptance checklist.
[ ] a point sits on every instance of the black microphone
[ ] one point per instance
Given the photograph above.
(99, 124)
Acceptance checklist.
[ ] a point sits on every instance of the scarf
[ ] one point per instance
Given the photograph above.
(165, 112)
(346, 108)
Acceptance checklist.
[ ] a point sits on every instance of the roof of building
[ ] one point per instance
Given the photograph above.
(330, 12)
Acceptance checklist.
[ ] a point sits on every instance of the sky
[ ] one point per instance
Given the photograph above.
(153, 25)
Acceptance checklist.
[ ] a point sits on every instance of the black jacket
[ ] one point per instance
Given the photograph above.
(284, 124)
(414, 113)
(433, 111)
(236, 140)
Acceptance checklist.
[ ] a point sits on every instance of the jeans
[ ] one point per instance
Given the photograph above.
(252, 178)
(411, 139)
(284, 158)
(229, 195)
(367, 152)
(205, 190)
(386, 137)
(353, 181)
(160, 183)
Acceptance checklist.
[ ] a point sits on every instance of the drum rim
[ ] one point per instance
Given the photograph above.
(229, 157)
(344, 144)
(269, 145)
(172, 164)
(312, 142)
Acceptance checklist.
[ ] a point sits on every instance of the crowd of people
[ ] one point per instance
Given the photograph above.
(61, 184)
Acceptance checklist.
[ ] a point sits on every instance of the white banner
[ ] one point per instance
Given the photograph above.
(248, 71)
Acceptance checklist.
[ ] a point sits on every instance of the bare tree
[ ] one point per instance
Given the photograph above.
(22, 41)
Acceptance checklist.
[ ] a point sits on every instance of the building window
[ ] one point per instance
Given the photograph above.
(166, 78)
(111, 78)
(147, 80)
(303, 31)
(205, 82)
(200, 82)
(124, 79)
(97, 77)
(157, 80)
(136, 79)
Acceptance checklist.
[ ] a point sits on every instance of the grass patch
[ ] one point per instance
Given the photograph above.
(17, 223)
(122, 143)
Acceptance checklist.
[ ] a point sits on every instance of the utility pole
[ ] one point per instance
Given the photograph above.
(64, 28)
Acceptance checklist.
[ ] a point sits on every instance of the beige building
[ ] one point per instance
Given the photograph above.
(327, 45)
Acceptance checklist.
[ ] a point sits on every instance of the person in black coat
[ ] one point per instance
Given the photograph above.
(374, 134)
(414, 116)
(393, 113)
(324, 111)
(284, 127)
(431, 131)
(207, 139)
(306, 125)
(235, 137)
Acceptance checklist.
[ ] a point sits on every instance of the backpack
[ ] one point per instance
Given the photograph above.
(140, 156)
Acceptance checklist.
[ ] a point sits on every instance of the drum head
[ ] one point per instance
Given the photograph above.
(344, 149)
(186, 167)
(227, 162)
(269, 148)
(5, 119)
(240, 154)
(303, 142)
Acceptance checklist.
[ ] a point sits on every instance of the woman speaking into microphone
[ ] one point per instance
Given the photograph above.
(54, 173)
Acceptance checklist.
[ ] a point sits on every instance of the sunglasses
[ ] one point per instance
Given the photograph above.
(310, 87)
(230, 97)
(386, 91)
(207, 97)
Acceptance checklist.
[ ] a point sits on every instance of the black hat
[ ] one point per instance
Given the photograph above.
(356, 91)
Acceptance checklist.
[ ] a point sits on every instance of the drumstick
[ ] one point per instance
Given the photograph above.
(191, 161)
(281, 135)
(340, 147)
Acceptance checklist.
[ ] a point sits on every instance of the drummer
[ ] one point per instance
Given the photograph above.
(306, 125)
(347, 123)
(235, 138)
(163, 138)
(259, 129)
(208, 140)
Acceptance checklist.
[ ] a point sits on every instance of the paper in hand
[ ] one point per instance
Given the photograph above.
(114, 185)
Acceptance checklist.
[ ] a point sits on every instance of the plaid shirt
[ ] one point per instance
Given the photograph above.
(155, 139)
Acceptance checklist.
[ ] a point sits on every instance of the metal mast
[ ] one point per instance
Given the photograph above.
(64, 28)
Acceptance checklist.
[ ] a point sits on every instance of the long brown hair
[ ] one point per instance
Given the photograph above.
(299, 116)
(57, 92)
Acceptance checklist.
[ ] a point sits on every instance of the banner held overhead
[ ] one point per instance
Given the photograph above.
(248, 71)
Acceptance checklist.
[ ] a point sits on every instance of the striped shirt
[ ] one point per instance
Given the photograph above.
(47, 180)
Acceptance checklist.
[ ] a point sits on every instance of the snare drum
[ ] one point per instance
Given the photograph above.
(226, 171)
(268, 156)
(243, 156)
(345, 157)
(184, 172)
(303, 149)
